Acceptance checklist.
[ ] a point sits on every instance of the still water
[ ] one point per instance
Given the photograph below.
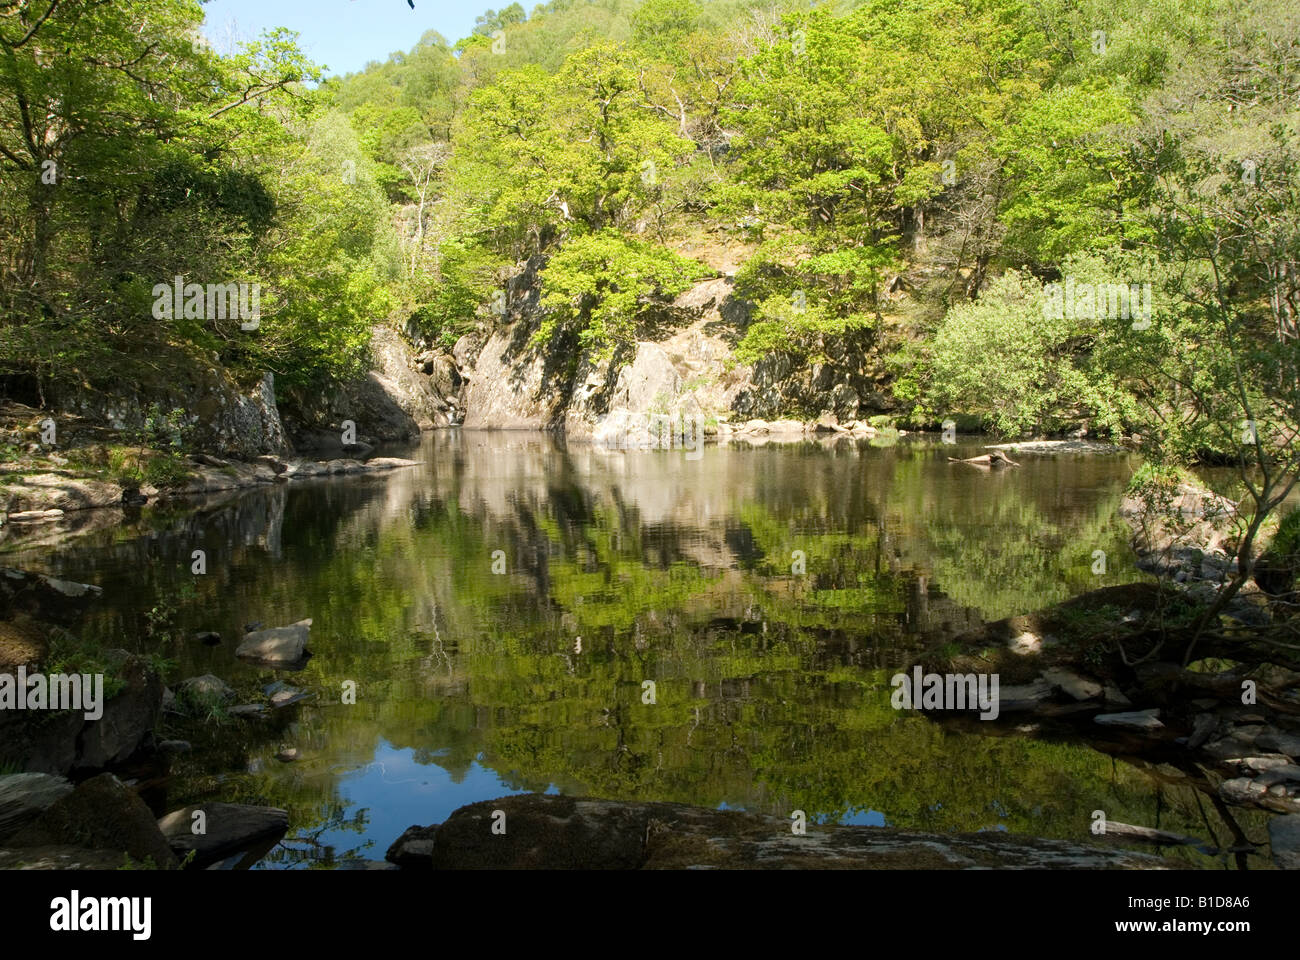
(500, 606)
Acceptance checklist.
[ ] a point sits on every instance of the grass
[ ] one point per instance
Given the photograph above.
(70, 654)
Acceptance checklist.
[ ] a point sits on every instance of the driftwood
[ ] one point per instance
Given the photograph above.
(995, 459)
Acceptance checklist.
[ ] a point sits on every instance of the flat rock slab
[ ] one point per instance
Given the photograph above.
(276, 645)
(1073, 684)
(552, 832)
(1144, 720)
(229, 828)
(25, 796)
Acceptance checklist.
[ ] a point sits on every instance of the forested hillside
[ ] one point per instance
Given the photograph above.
(1046, 215)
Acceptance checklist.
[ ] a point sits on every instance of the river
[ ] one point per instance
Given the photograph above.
(499, 609)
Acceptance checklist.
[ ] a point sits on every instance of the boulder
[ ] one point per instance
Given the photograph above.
(414, 848)
(555, 832)
(207, 688)
(277, 645)
(43, 597)
(100, 814)
(228, 829)
(25, 796)
(128, 719)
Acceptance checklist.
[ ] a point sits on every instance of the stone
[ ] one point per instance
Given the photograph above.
(175, 748)
(287, 697)
(557, 832)
(1074, 685)
(36, 516)
(1244, 791)
(229, 828)
(1143, 720)
(1014, 698)
(276, 645)
(1284, 841)
(207, 688)
(129, 717)
(1114, 697)
(1202, 727)
(414, 848)
(1279, 743)
(1230, 748)
(100, 814)
(25, 796)
(207, 637)
(1025, 644)
(43, 597)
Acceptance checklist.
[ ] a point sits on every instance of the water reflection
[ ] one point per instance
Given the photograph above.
(501, 606)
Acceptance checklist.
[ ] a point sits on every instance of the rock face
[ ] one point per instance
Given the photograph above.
(223, 417)
(393, 401)
(100, 814)
(513, 386)
(228, 829)
(681, 365)
(278, 645)
(846, 384)
(550, 832)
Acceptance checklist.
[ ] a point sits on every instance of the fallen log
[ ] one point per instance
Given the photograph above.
(995, 459)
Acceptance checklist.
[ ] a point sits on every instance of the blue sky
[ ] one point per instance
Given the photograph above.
(344, 34)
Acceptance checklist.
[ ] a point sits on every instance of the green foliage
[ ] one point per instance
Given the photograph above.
(69, 654)
(597, 287)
